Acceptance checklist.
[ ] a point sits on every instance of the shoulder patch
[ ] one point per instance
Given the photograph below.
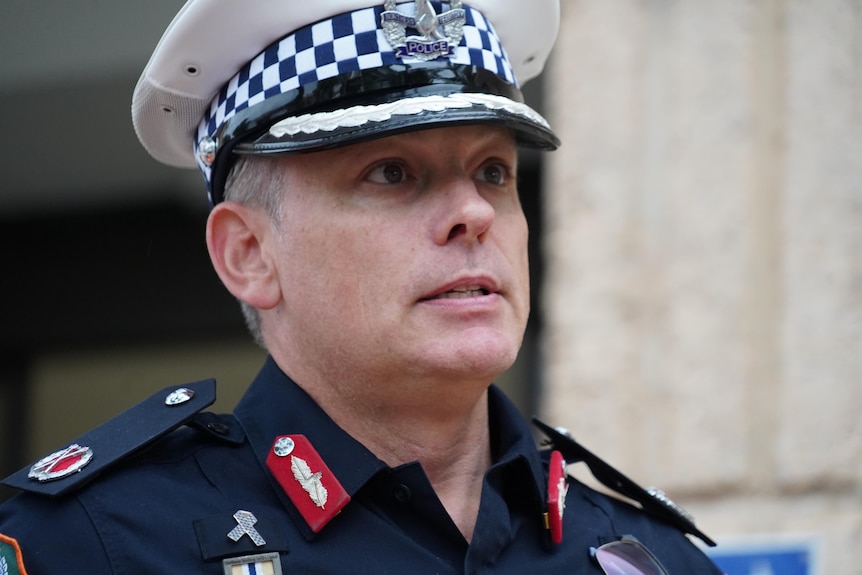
(82, 459)
(11, 560)
(653, 502)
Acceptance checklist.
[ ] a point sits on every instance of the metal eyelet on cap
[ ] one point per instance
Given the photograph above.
(207, 150)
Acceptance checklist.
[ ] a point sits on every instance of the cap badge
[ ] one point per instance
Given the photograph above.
(61, 463)
(306, 479)
(557, 489)
(439, 34)
(245, 526)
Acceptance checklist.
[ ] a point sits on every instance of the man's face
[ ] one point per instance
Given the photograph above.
(404, 257)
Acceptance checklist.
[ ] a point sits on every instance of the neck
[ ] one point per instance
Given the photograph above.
(449, 438)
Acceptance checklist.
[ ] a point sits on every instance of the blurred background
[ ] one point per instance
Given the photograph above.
(697, 255)
(703, 254)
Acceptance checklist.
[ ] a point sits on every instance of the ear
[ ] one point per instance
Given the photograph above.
(237, 240)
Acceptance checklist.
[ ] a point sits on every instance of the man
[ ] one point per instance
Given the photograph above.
(361, 162)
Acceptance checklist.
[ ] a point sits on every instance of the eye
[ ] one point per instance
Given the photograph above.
(495, 173)
(387, 173)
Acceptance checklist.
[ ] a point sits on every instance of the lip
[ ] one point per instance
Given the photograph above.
(484, 283)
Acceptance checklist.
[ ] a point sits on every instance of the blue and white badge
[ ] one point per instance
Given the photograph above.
(263, 564)
(439, 34)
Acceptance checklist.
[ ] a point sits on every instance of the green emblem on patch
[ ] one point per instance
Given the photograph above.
(11, 562)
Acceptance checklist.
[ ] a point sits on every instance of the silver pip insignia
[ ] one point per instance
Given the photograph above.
(439, 33)
(61, 463)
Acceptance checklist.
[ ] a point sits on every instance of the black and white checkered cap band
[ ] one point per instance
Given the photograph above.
(345, 43)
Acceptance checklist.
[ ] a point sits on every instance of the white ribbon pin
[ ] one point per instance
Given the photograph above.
(245, 526)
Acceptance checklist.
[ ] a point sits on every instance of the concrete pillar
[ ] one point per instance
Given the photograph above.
(703, 301)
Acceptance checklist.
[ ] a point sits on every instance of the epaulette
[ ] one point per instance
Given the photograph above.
(92, 453)
(653, 501)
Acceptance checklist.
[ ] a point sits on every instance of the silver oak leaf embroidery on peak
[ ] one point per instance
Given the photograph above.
(309, 481)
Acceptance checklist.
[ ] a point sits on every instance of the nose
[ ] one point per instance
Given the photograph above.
(465, 214)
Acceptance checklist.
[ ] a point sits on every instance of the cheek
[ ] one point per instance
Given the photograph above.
(514, 237)
(374, 258)
(514, 247)
(343, 263)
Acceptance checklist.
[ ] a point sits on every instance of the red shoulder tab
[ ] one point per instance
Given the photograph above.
(557, 488)
(305, 478)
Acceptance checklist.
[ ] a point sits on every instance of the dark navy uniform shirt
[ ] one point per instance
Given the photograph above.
(169, 507)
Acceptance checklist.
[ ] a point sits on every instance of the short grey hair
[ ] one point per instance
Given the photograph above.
(255, 182)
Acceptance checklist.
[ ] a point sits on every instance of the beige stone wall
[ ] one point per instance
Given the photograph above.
(703, 300)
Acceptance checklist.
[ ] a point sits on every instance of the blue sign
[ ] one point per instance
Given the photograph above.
(765, 560)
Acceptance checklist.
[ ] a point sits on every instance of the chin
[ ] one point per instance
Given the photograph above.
(477, 354)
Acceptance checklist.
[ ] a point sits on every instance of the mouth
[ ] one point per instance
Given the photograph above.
(476, 287)
(461, 292)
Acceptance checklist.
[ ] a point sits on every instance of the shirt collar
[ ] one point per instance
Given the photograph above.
(275, 405)
(513, 445)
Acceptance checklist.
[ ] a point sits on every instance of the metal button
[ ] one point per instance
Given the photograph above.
(402, 494)
(179, 396)
(283, 447)
(218, 428)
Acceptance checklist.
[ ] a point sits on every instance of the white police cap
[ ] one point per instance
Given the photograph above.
(271, 77)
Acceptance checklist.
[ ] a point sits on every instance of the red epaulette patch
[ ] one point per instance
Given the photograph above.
(557, 488)
(305, 478)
